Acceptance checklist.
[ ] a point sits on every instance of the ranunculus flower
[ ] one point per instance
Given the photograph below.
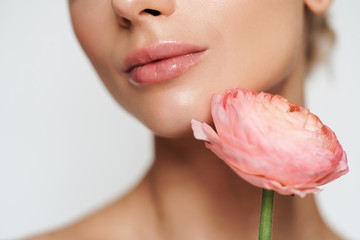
(272, 143)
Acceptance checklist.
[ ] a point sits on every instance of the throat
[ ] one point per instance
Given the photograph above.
(196, 196)
(193, 191)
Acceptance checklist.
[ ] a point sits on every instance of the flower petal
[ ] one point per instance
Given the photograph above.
(272, 143)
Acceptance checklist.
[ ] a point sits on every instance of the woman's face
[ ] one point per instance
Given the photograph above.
(163, 65)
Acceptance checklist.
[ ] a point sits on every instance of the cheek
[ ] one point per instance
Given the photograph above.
(89, 18)
(261, 45)
(97, 31)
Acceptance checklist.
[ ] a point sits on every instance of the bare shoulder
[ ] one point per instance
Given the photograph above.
(90, 227)
(118, 220)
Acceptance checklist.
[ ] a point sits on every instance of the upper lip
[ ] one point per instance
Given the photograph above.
(157, 52)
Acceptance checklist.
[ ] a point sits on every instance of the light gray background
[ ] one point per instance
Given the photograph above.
(66, 148)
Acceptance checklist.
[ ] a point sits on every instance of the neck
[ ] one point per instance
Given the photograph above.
(193, 191)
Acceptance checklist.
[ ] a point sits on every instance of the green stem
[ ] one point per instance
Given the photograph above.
(266, 214)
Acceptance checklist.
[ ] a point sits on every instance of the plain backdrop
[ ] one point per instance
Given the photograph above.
(66, 147)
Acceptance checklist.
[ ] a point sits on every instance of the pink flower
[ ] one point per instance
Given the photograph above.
(272, 143)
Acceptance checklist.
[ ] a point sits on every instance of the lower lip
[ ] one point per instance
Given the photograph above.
(164, 69)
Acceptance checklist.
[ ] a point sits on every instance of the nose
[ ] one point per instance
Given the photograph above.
(133, 11)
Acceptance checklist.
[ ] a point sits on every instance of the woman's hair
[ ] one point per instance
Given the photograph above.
(320, 37)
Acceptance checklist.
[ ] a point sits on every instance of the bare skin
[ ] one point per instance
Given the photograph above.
(191, 194)
(187, 197)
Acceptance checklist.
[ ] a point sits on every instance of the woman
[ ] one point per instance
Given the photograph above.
(162, 60)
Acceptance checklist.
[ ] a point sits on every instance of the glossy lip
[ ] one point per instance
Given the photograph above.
(161, 61)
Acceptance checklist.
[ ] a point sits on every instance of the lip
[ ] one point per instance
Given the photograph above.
(161, 61)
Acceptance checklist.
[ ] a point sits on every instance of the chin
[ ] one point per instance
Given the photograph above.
(176, 124)
(173, 132)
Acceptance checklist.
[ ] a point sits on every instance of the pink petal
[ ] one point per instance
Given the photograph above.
(272, 143)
